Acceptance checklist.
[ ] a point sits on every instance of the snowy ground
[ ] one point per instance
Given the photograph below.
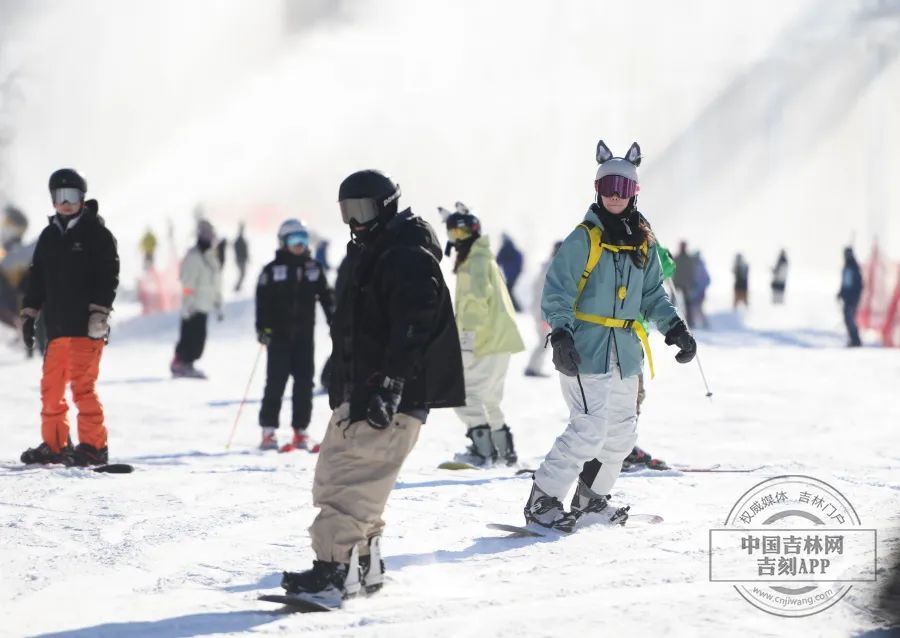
(183, 546)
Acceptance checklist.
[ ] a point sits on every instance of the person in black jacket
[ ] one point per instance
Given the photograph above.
(849, 294)
(286, 295)
(72, 283)
(395, 355)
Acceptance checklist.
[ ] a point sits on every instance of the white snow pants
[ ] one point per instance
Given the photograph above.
(484, 378)
(602, 425)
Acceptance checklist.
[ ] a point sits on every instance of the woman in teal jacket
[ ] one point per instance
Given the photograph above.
(605, 276)
(488, 336)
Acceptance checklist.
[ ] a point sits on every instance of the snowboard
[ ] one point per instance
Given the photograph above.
(109, 468)
(113, 468)
(300, 605)
(518, 531)
(717, 468)
(455, 465)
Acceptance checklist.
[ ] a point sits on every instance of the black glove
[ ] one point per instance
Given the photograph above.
(384, 402)
(28, 332)
(264, 336)
(678, 335)
(565, 356)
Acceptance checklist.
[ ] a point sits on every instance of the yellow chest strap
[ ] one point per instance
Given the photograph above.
(595, 242)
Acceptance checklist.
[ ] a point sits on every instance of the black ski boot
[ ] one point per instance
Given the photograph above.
(482, 451)
(43, 455)
(503, 443)
(586, 501)
(547, 511)
(371, 567)
(327, 583)
(85, 455)
(639, 459)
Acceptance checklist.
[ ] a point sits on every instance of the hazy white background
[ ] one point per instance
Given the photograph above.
(764, 125)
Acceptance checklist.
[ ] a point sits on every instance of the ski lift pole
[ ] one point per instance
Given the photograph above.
(237, 417)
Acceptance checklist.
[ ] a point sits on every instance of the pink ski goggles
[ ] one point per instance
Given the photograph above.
(610, 185)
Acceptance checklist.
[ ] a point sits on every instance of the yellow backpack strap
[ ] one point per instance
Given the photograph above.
(594, 234)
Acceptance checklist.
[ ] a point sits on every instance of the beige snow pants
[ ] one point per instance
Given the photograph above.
(355, 473)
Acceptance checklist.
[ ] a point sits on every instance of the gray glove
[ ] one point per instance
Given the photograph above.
(98, 322)
(565, 356)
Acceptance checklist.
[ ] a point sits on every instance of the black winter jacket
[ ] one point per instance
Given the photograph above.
(394, 318)
(73, 266)
(286, 295)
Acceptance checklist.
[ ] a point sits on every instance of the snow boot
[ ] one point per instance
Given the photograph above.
(43, 455)
(639, 459)
(301, 441)
(269, 439)
(481, 452)
(177, 368)
(503, 443)
(327, 583)
(85, 455)
(547, 511)
(371, 567)
(586, 501)
(193, 373)
(180, 369)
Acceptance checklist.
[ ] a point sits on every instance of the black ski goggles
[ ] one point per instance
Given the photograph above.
(67, 196)
(359, 211)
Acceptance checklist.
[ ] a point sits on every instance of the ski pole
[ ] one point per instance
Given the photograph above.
(696, 356)
(244, 400)
(703, 376)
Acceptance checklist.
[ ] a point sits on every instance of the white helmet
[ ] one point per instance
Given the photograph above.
(292, 227)
(623, 166)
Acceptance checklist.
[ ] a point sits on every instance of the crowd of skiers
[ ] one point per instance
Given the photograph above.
(400, 347)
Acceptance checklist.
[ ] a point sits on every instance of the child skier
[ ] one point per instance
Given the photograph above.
(286, 295)
(487, 335)
(72, 282)
(604, 276)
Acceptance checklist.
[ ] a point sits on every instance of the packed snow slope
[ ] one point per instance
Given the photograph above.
(183, 546)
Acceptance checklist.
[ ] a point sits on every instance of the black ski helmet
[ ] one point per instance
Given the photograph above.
(366, 196)
(464, 220)
(463, 228)
(67, 178)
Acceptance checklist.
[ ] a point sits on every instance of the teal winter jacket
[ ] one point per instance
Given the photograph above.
(645, 295)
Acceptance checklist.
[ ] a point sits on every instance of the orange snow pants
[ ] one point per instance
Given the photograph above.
(75, 361)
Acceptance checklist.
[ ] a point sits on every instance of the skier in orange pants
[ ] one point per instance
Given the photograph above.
(75, 361)
(72, 282)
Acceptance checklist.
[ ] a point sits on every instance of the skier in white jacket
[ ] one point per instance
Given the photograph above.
(201, 283)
